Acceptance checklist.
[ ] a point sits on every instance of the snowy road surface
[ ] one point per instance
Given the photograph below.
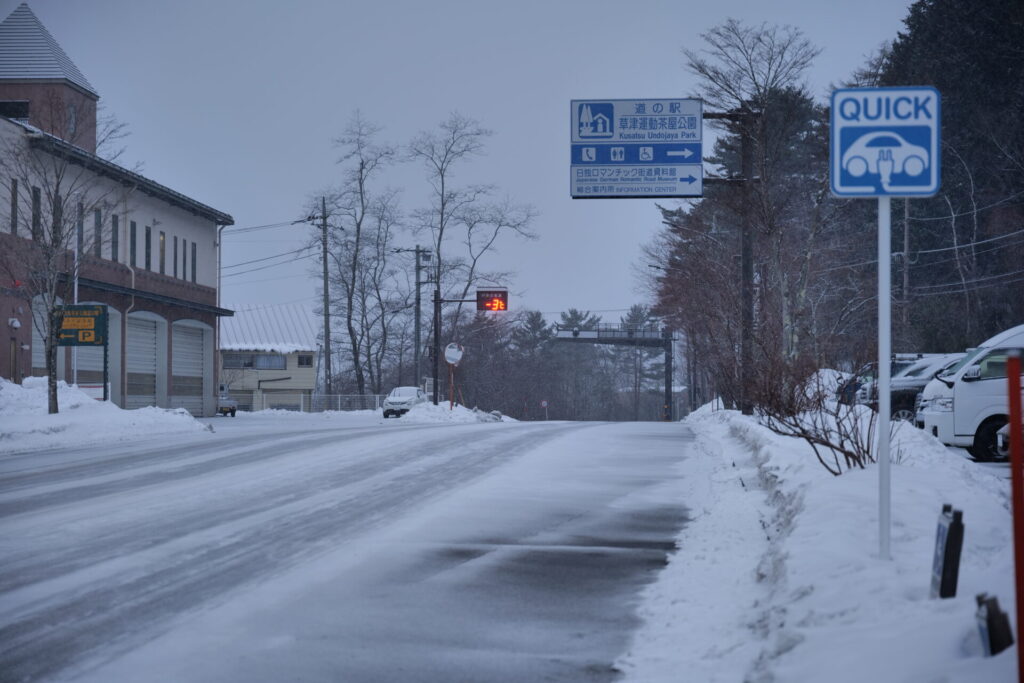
(383, 551)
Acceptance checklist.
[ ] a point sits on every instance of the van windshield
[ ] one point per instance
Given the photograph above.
(971, 355)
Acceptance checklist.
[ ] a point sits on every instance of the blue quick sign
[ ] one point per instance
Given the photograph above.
(636, 148)
(885, 142)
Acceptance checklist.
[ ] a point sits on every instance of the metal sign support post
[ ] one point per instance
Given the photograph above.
(884, 143)
(106, 366)
(1013, 372)
(884, 371)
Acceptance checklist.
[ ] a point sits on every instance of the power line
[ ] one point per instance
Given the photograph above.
(926, 251)
(971, 244)
(269, 279)
(268, 226)
(967, 213)
(963, 284)
(267, 258)
(271, 265)
(947, 292)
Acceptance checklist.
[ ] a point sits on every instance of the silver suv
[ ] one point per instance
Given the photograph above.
(401, 399)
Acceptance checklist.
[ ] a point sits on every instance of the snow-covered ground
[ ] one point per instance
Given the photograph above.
(84, 421)
(777, 576)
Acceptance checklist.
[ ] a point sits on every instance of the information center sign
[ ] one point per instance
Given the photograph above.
(636, 148)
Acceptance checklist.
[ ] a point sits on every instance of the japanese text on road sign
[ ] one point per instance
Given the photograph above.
(636, 148)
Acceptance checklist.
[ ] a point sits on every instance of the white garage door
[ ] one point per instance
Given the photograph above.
(90, 370)
(141, 363)
(38, 353)
(187, 363)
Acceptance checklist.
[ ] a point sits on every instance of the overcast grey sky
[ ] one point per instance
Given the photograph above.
(236, 104)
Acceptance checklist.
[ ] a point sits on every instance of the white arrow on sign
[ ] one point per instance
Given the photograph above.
(685, 153)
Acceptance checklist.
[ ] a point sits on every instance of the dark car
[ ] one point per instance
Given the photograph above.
(849, 391)
(907, 383)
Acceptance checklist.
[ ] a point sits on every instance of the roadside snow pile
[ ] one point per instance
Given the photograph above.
(778, 576)
(82, 420)
(429, 413)
(823, 384)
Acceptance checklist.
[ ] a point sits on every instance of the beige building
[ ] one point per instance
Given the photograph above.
(269, 357)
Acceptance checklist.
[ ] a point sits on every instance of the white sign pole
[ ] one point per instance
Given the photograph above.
(884, 368)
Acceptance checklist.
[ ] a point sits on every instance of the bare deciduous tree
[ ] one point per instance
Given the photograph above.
(57, 189)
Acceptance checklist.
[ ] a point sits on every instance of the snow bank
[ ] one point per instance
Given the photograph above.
(429, 413)
(778, 576)
(82, 420)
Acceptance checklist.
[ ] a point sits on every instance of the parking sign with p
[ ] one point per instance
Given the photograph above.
(885, 142)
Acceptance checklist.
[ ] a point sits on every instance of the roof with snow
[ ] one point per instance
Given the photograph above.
(281, 329)
(29, 52)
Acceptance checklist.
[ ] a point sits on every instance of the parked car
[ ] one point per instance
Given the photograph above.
(401, 399)
(1003, 441)
(225, 404)
(968, 404)
(847, 391)
(907, 383)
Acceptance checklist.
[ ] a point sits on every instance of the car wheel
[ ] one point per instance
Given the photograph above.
(985, 448)
(913, 166)
(857, 166)
(903, 415)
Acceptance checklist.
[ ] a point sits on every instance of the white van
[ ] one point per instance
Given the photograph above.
(967, 404)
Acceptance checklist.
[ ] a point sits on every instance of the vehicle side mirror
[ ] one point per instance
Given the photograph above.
(972, 373)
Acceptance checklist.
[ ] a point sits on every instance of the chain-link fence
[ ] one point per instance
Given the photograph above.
(318, 403)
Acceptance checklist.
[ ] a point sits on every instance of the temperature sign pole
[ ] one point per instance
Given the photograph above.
(884, 143)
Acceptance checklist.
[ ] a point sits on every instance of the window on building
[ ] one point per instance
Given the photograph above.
(115, 237)
(257, 361)
(193, 262)
(72, 120)
(97, 233)
(80, 227)
(133, 243)
(14, 109)
(175, 259)
(163, 252)
(149, 248)
(305, 360)
(14, 206)
(37, 210)
(184, 259)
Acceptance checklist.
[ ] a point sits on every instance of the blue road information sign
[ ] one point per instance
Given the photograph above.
(636, 149)
(885, 142)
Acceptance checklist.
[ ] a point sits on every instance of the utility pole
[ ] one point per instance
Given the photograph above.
(327, 299)
(437, 337)
(422, 257)
(747, 120)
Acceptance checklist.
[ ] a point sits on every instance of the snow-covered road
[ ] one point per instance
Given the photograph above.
(376, 551)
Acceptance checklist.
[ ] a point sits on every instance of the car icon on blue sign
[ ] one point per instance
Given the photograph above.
(872, 153)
